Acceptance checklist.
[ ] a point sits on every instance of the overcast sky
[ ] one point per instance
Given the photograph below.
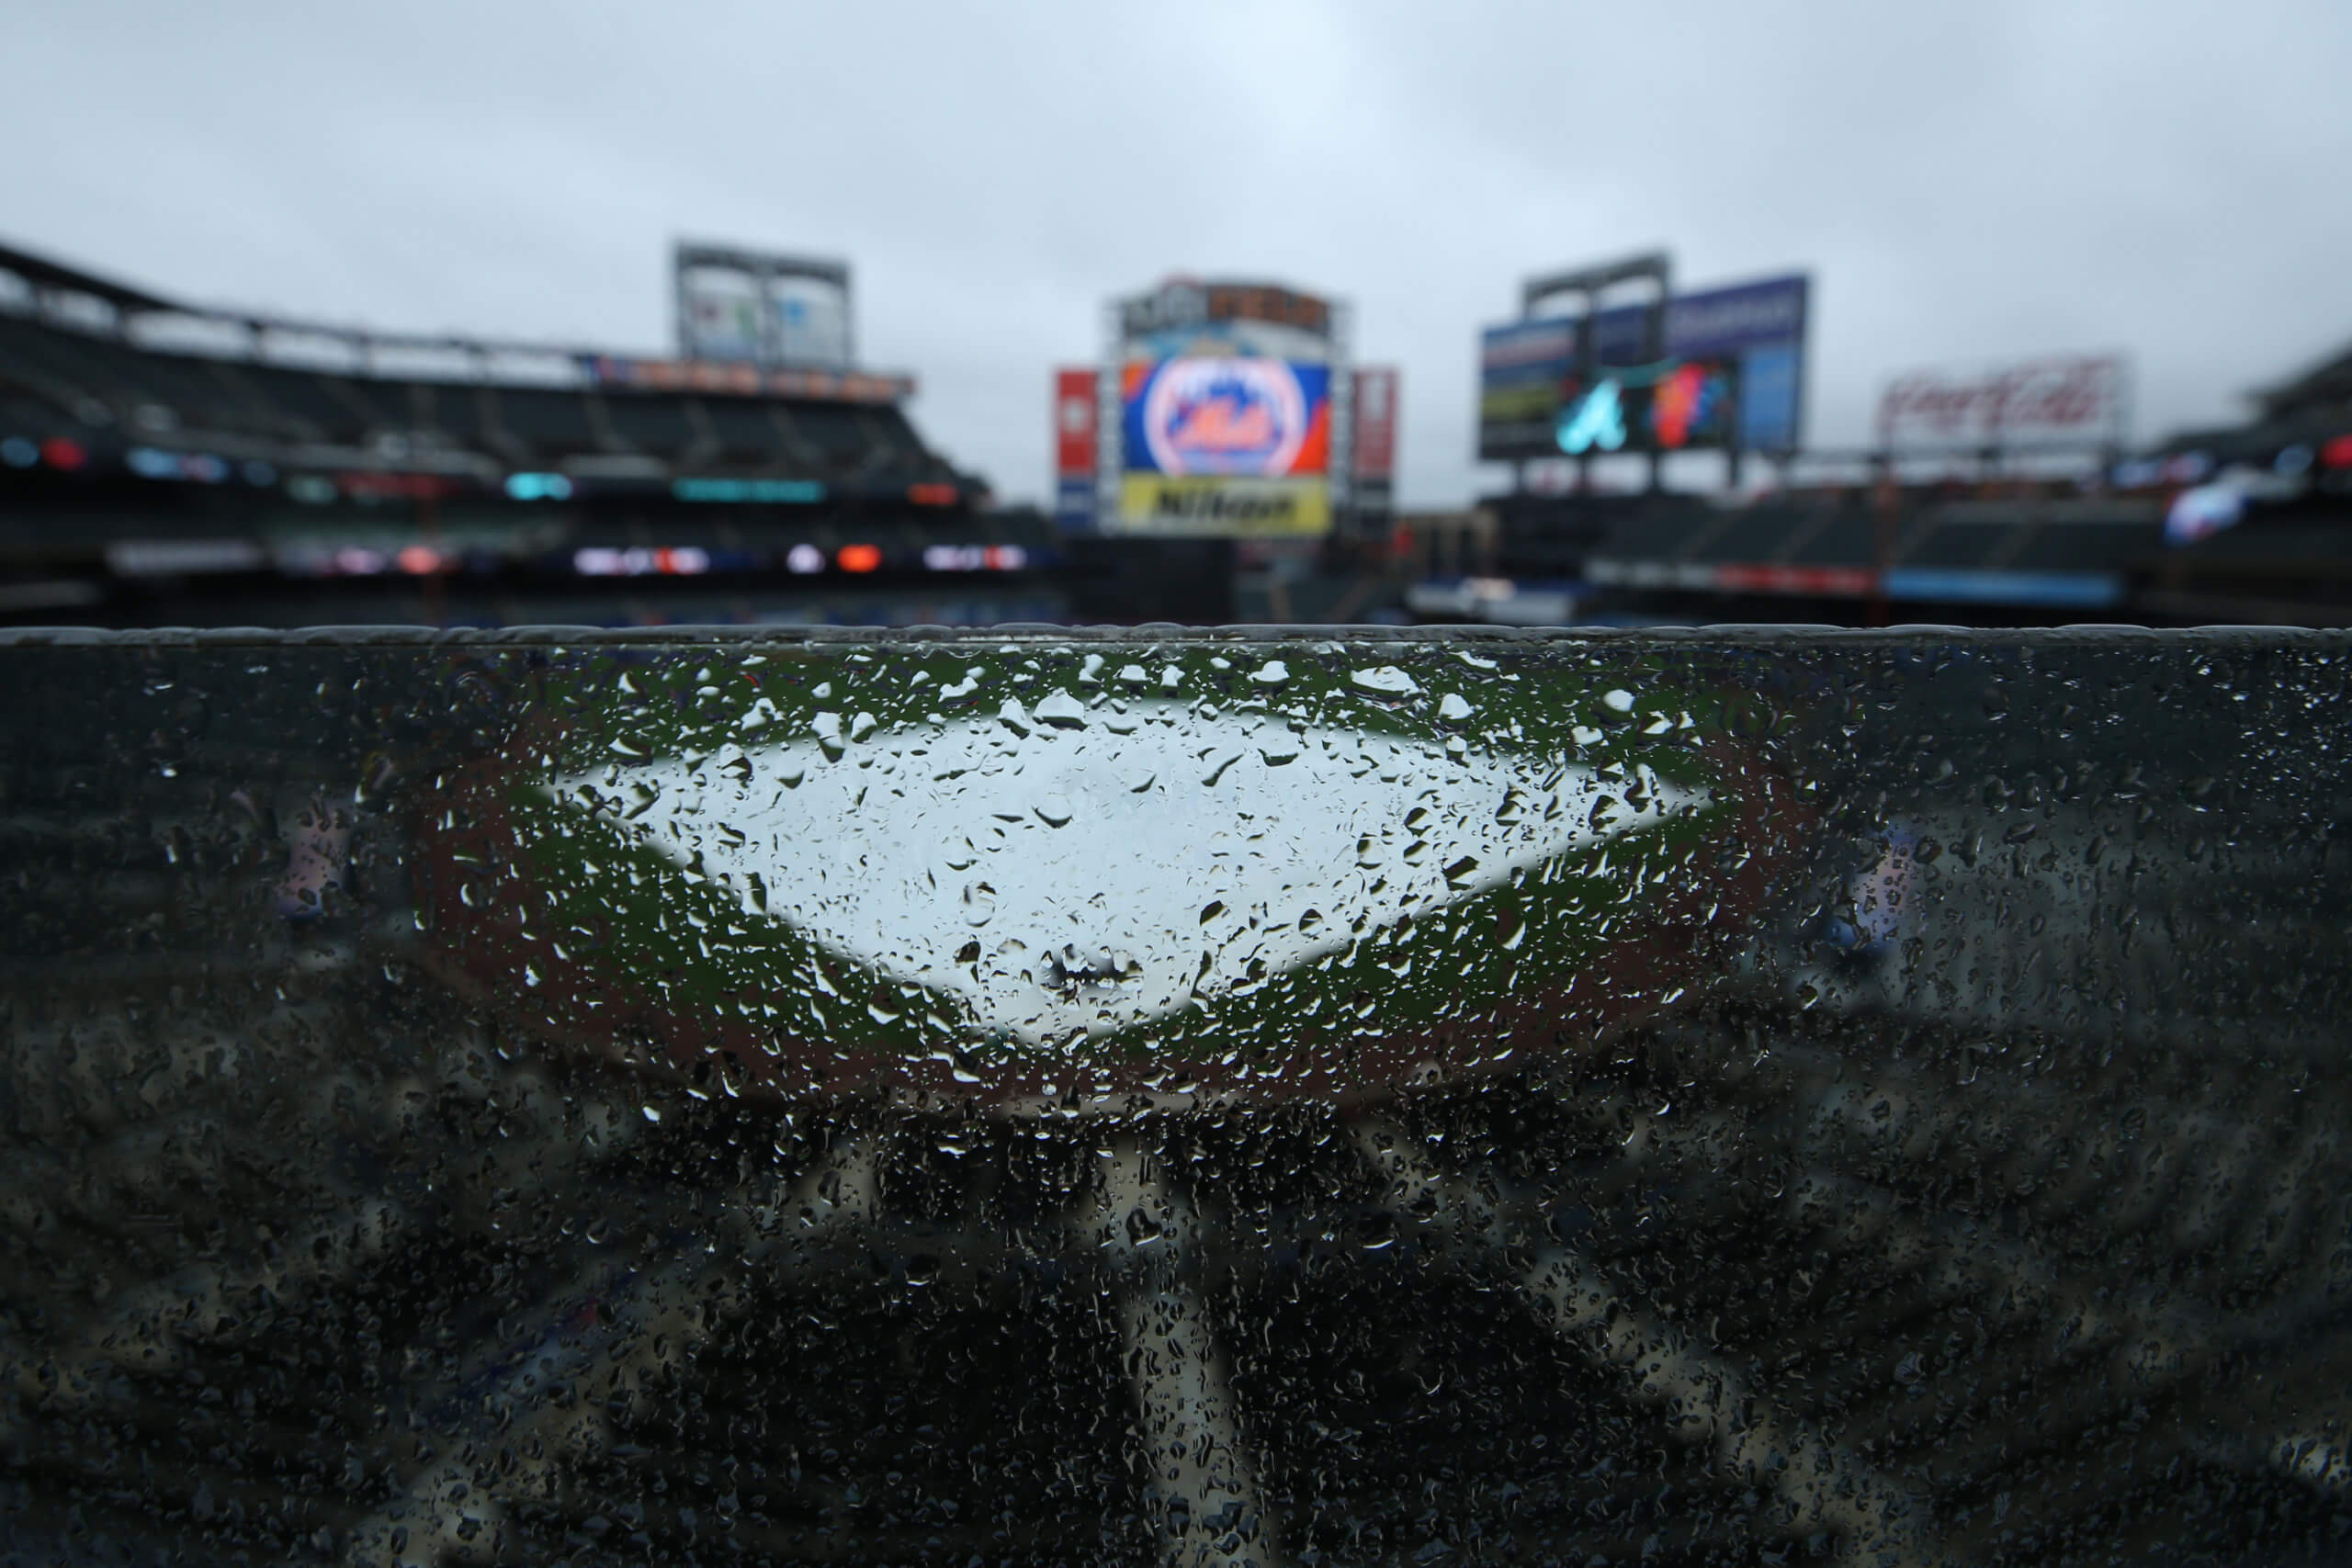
(1964, 182)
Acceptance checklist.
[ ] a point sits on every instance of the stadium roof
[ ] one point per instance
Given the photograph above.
(43, 273)
(2328, 382)
(492, 359)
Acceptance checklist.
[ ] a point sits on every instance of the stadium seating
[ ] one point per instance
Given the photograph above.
(1840, 536)
(841, 441)
(744, 432)
(57, 381)
(550, 425)
(656, 425)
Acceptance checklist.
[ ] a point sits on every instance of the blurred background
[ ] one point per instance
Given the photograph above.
(892, 314)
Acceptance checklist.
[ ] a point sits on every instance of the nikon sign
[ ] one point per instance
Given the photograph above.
(1164, 503)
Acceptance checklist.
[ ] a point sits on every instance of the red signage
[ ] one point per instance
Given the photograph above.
(1773, 578)
(1073, 423)
(1375, 404)
(368, 485)
(2048, 400)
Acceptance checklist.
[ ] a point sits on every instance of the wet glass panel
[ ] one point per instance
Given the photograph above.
(1061, 1097)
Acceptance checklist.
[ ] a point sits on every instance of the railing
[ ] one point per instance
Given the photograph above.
(1059, 1096)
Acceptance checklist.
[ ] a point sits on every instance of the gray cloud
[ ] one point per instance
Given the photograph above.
(1965, 183)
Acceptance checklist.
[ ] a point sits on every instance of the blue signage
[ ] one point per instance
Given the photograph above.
(1727, 321)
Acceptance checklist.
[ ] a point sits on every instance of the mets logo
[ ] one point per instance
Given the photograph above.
(1225, 416)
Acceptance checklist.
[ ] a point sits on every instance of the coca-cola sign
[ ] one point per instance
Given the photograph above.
(2071, 399)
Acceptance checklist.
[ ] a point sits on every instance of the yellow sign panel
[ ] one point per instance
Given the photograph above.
(1223, 505)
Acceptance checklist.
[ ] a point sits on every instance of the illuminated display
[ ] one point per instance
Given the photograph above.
(1665, 407)
(1686, 399)
(858, 558)
(1231, 444)
(149, 462)
(789, 491)
(1731, 373)
(538, 486)
(685, 561)
(974, 558)
(1262, 418)
(1594, 421)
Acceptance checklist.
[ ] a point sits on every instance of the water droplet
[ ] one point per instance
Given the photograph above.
(1062, 711)
(1386, 679)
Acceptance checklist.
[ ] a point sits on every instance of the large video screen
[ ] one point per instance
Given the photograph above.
(1226, 445)
(1677, 406)
(1724, 368)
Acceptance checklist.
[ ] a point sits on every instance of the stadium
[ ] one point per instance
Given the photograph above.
(1220, 787)
(165, 464)
(1869, 1193)
(2011, 495)
(161, 463)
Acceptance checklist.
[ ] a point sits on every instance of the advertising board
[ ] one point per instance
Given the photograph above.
(723, 315)
(740, 379)
(1074, 423)
(1372, 460)
(1184, 317)
(810, 320)
(1224, 444)
(1730, 373)
(1075, 446)
(2076, 401)
(759, 308)
(1184, 305)
(1526, 369)
(1374, 456)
